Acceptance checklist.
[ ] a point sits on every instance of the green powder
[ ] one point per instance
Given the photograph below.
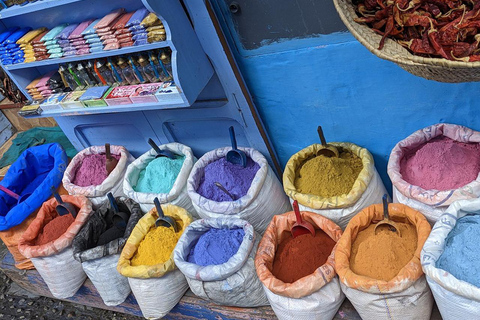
(159, 175)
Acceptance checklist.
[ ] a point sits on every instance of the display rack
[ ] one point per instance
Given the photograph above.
(190, 67)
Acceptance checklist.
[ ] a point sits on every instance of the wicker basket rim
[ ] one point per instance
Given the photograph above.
(403, 56)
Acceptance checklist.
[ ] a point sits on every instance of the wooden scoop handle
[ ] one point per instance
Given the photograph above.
(322, 137)
(107, 151)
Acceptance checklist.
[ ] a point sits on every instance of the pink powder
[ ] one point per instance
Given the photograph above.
(92, 171)
(441, 164)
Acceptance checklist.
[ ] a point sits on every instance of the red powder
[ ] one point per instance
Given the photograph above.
(301, 256)
(54, 229)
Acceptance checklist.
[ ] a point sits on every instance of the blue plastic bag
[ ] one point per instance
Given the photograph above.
(35, 171)
(14, 37)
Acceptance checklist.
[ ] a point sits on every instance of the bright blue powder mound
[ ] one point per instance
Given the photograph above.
(216, 246)
(462, 250)
(159, 175)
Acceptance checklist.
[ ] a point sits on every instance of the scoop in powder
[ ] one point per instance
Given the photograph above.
(381, 256)
(301, 256)
(235, 178)
(328, 177)
(92, 171)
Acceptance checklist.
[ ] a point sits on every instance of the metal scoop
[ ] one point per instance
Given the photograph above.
(14, 195)
(161, 153)
(219, 186)
(63, 208)
(301, 227)
(119, 218)
(110, 162)
(236, 156)
(327, 151)
(386, 219)
(163, 220)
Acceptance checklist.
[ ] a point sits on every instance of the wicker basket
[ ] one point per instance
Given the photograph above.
(438, 69)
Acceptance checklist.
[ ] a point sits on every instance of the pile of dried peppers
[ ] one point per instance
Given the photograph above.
(429, 28)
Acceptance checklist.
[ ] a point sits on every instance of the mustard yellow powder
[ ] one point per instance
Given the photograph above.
(157, 246)
(328, 177)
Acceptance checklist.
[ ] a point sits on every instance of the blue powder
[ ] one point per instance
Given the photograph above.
(216, 246)
(235, 178)
(462, 250)
(159, 175)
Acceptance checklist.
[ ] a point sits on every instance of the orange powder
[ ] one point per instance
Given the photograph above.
(381, 256)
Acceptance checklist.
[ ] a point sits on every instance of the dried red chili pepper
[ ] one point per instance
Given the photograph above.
(432, 28)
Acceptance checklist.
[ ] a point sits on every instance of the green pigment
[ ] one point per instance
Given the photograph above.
(159, 175)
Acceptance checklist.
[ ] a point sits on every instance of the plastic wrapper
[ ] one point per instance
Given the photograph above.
(137, 17)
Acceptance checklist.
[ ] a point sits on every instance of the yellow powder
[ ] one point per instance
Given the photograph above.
(381, 256)
(328, 177)
(157, 246)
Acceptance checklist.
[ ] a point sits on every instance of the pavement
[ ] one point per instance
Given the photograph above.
(17, 303)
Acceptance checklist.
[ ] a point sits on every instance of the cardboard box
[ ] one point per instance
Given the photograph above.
(53, 102)
(145, 93)
(120, 95)
(94, 97)
(169, 93)
(71, 100)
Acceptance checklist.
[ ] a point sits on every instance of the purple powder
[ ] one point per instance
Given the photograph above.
(216, 246)
(92, 171)
(235, 178)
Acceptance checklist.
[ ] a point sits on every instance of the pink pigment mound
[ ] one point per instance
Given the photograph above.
(441, 164)
(92, 171)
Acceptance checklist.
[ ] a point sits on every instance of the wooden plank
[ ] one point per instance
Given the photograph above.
(6, 129)
(190, 307)
(23, 124)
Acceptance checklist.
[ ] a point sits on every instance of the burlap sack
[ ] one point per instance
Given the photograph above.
(316, 296)
(406, 296)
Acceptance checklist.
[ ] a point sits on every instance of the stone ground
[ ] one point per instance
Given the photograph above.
(17, 303)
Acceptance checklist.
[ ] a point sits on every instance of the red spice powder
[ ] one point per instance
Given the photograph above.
(54, 229)
(301, 256)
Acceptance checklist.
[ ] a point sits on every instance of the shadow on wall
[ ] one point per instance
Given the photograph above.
(333, 81)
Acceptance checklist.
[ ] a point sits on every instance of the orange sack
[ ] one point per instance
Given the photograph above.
(54, 260)
(316, 296)
(12, 236)
(407, 295)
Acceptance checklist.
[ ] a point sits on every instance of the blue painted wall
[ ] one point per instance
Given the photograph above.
(333, 81)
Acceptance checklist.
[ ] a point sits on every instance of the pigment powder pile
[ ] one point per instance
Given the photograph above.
(381, 256)
(216, 246)
(157, 246)
(328, 177)
(462, 251)
(235, 178)
(441, 164)
(159, 175)
(54, 229)
(301, 256)
(92, 171)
